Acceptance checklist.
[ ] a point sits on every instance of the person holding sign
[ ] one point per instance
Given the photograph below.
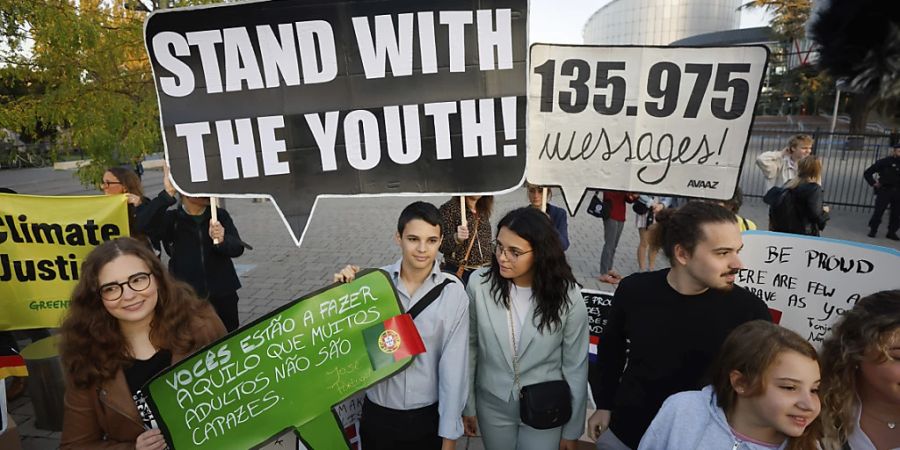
(528, 341)
(763, 396)
(127, 320)
(466, 243)
(779, 166)
(887, 190)
(861, 376)
(672, 322)
(557, 215)
(200, 248)
(421, 407)
(119, 180)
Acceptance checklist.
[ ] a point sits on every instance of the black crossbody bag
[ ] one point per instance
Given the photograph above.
(542, 405)
(428, 299)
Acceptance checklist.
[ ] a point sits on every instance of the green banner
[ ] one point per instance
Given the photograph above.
(287, 370)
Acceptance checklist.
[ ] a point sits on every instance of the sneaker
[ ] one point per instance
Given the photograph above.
(893, 236)
(607, 278)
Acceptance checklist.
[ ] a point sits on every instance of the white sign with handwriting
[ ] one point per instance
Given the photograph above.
(809, 282)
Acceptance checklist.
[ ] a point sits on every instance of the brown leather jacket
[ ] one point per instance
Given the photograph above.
(106, 417)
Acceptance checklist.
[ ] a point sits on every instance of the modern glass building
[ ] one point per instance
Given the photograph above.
(659, 22)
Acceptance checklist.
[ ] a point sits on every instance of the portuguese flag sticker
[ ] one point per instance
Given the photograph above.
(392, 340)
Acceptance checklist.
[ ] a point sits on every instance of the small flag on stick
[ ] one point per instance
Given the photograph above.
(392, 340)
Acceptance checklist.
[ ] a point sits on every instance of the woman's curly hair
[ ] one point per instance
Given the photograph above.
(93, 348)
(868, 326)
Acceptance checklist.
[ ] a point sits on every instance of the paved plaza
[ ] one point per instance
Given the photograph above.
(360, 231)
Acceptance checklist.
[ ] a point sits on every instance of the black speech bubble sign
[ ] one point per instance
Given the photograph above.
(214, 70)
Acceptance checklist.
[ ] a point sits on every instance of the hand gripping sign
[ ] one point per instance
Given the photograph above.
(809, 282)
(661, 120)
(288, 370)
(293, 100)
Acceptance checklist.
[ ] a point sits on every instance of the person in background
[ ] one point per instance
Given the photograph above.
(128, 319)
(779, 166)
(466, 248)
(808, 195)
(734, 205)
(652, 205)
(200, 249)
(17, 385)
(764, 395)
(669, 325)
(557, 215)
(861, 376)
(612, 231)
(528, 326)
(120, 180)
(887, 190)
(421, 407)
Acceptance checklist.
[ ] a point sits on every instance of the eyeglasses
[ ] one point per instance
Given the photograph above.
(138, 282)
(511, 254)
(109, 183)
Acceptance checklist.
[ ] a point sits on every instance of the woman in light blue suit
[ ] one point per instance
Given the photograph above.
(527, 319)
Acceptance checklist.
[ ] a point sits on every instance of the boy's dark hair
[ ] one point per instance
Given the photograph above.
(419, 210)
(683, 226)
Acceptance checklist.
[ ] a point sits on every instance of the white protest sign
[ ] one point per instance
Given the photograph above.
(661, 120)
(813, 281)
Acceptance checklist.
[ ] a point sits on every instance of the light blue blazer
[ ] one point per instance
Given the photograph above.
(557, 355)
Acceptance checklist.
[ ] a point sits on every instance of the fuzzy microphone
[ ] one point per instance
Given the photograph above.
(859, 40)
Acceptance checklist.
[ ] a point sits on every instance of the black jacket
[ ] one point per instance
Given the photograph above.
(808, 198)
(193, 256)
(888, 170)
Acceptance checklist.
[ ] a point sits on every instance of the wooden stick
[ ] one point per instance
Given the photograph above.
(214, 211)
(544, 200)
(462, 210)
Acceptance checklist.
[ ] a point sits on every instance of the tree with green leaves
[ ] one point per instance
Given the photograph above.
(94, 85)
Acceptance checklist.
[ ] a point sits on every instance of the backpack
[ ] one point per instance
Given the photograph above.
(783, 214)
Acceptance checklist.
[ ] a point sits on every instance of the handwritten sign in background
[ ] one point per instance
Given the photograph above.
(812, 281)
(288, 370)
(662, 120)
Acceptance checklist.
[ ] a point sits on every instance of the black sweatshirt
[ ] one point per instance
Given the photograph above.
(671, 340)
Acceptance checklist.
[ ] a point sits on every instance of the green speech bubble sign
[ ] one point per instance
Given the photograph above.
(287, 370)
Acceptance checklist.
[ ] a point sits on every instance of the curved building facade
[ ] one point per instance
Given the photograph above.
(659, 22)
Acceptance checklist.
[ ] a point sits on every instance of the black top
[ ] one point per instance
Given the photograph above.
(673, 339)
(207, 267)
(888, 170)
(809, 199)
(143, 369)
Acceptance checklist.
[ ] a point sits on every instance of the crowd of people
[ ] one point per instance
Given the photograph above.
(687, 359)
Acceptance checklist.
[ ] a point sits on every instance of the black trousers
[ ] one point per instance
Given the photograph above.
(383, 428)
(884, 197)
(226, 307)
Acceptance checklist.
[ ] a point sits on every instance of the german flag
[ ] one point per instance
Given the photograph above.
(11, 364)
(392, 340)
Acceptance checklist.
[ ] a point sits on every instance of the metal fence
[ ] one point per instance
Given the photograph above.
(19, 155)
(844, 158)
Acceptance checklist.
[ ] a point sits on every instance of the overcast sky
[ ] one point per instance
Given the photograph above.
(553, 22)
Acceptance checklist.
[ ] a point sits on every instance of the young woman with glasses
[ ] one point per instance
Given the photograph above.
(121, 180)
(528, 325)
(127, 320)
